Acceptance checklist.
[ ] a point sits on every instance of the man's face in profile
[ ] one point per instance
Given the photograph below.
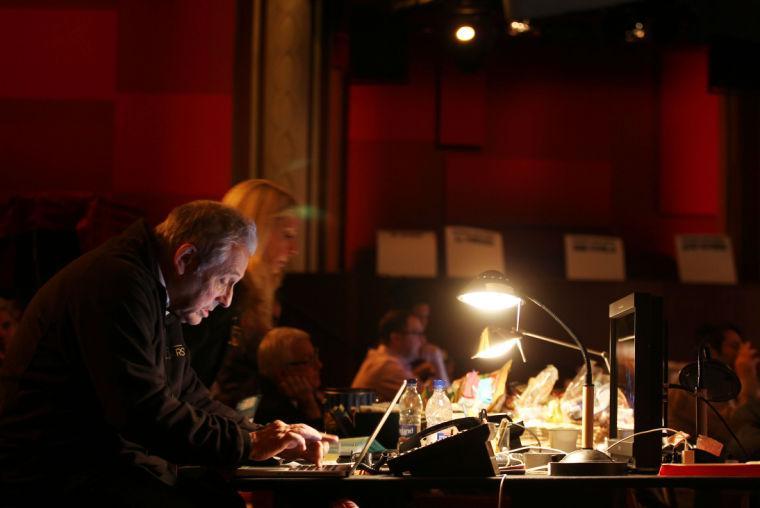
(198, 292)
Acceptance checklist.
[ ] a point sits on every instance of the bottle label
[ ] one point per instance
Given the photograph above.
(407, 430)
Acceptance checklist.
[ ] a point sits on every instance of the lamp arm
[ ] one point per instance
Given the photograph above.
(579, 344)
(602, 354)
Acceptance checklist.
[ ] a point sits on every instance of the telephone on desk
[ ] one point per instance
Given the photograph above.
(467, 453)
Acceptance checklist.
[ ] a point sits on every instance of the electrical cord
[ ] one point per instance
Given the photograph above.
(714, 410)
(658, 429)
(725, 424)
(501, 486)
(535, 436)
(557, 450)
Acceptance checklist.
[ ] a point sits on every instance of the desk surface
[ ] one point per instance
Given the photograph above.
(510, 482)
(520, 490)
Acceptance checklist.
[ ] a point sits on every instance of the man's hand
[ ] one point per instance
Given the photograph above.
(745, 366)
(297, 387)
(424, 371)
(290, 441)
(317, 443)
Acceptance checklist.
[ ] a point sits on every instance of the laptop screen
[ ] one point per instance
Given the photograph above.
(380, 424)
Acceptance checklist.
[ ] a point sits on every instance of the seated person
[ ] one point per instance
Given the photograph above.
(431, 363)
(746, 423)
(289, 367)
(387, 366)
(98, 401)
(9, 316)
(727, 346)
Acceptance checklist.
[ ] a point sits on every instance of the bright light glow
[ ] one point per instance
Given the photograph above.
(638, 31)
(465, 33)
(498, 349)
(490, 301)
(519, 27)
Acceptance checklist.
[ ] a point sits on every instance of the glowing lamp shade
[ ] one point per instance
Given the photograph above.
(465, 33)
(490, 292)
(494, 343)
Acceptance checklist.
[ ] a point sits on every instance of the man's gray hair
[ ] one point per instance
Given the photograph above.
(213, 228)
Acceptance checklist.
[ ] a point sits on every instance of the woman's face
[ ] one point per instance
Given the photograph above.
(282, 243)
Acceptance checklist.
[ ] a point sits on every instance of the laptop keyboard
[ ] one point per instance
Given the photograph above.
(329, 467)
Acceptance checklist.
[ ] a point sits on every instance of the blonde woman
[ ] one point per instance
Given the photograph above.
(224, 350)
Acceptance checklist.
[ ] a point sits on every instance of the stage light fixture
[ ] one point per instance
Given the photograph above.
(637, 33)
(519, 27)
(465, 33)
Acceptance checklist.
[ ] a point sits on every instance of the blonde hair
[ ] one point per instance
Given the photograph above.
(262, 201)
(275, 350)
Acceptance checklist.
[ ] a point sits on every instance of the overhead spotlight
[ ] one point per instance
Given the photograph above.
(465, 33)
(519, 27)
(637, 33)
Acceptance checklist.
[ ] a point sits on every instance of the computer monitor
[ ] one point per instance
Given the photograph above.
(638, 361)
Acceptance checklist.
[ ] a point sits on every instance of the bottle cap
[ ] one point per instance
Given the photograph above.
(411, 381)
(438, 384)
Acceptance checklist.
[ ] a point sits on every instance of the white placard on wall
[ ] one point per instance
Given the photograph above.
(591, 257)
(407, 253)
(470, 251)
(705, 259)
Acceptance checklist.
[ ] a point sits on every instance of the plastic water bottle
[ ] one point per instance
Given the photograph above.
(438, 408)
(410, 412)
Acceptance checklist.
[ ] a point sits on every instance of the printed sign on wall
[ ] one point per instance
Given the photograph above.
(590, 257)
(705, 259)
(470, 251)
(407, 254)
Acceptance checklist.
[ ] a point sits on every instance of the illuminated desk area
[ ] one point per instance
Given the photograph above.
(517, 490)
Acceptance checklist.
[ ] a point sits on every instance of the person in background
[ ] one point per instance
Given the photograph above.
(289, 368)
(726, 345)
(98, 402)
(387, 366)
(431, 363)
(223, 349)
(9, 316)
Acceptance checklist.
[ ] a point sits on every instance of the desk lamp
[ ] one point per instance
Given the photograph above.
(491, 291)
(708, 380)
(495, 342)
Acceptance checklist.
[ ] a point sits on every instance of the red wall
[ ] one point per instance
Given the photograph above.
(133, 99)
(129, 99)
(624, 140)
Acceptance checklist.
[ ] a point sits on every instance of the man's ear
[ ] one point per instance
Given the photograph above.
(184, 258)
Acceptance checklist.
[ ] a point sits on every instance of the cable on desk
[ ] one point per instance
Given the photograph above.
(540, 448)
(658, 429)
(501, 486)
(725, 424)
(720, 417)
(529, 430)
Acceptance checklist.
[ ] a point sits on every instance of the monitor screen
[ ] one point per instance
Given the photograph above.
(625, 363)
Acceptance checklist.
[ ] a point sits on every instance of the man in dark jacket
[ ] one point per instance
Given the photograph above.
(98, 401)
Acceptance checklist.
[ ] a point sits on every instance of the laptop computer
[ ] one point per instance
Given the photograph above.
(328, 470)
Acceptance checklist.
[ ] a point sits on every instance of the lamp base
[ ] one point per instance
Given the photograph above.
(586, 462)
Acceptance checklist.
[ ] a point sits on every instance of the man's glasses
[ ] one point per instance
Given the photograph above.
(412, 332)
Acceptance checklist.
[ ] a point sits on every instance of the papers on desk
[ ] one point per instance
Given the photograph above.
(348, 446)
